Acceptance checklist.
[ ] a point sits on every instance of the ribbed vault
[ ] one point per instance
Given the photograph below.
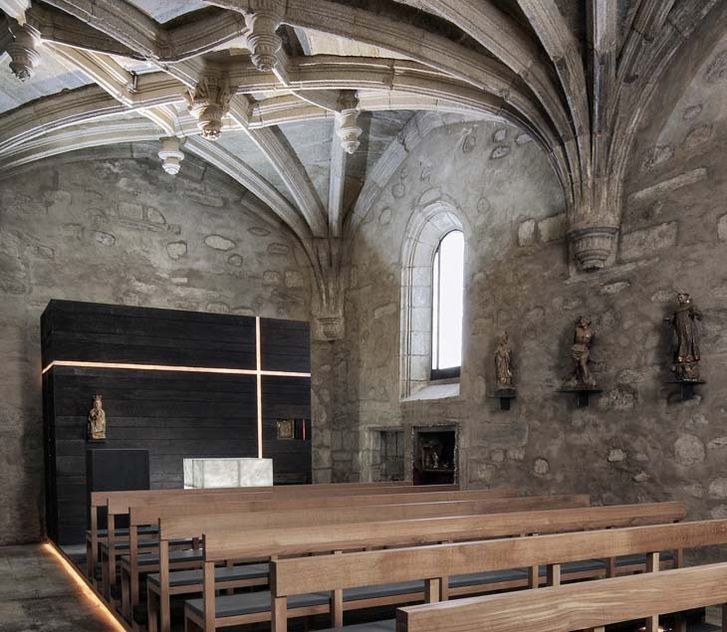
(312, 104)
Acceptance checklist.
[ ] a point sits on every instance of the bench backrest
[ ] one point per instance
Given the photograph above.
(265, 501)
(333, 572)
(185, 522)
(222, 546)
(582, 605)
(99, 499)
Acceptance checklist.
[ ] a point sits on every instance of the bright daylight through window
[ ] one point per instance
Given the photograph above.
(447, 301)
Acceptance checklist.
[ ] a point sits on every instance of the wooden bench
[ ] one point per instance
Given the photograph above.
(210, 613)
(100, 500)
(145, 516)
(177, 524)
(120, 504)
(591, 605)
(495, 565)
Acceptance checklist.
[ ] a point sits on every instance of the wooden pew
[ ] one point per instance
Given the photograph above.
(435, 564)
(99, 500)
(120, 504)
(219, 547)
(588, 605)
(141, 515)
(179, 523)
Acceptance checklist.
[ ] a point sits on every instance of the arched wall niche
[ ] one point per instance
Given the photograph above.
(426, 227)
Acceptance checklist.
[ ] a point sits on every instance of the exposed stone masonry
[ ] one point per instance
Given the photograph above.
(110, 226)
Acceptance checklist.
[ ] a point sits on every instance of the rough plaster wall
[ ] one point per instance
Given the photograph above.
(110, 226)
(637, 441)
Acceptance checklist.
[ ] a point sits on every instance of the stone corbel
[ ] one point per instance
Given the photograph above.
(347, 128)
(593, 246)
(594, 228)
(328, 318)
(171, 155)
(262, 39)
(209, 103)
(23, 50)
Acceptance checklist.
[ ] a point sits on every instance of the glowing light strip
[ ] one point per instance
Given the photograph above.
(259, 386)
(84, 588)
(147, 367)
(169, 367)
(257, 372)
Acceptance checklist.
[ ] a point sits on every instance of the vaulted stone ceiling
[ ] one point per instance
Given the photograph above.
(312, 104)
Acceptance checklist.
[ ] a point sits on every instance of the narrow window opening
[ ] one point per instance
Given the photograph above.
(447, 306)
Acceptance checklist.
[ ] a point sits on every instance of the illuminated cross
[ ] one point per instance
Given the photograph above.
(257, 372)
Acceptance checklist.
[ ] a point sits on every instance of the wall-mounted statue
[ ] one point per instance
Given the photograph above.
(686, 339)
(581, 353)
(503, 364)
(97, 420)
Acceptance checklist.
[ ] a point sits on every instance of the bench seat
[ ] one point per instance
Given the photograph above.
(123, 545)
(254, 602)
(152, 559)
(222, 574)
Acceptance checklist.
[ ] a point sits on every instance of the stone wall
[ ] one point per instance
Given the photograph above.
(110, 226)
(637, 441)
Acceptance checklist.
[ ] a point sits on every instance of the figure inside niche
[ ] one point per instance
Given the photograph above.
(97, 420)
(580, 353)
(503, 363)
(430, 456)
(686, 339)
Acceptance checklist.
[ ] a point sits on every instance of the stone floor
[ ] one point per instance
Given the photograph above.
(36, 595)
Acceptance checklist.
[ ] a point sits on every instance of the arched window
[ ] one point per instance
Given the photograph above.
(447, 301)
(428, 233)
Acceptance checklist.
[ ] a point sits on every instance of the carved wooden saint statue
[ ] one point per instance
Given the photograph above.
(97, 420)
(503, 363)
(686, 339)
(580, 353)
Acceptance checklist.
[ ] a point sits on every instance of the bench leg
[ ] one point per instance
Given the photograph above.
(105, 591)
(189, 625)
(652, 624)
(152, 610)
(533, 577)
(89, 560)
(337, 608)
(724, 617)
(230, 591)
(125, 597)
(280, 615)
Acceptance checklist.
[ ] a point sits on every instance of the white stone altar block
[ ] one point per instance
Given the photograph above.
(209, 473)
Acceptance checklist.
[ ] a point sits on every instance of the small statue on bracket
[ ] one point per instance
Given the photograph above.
(97, 420)
(580, 354)
(686, 339)
(503, 364)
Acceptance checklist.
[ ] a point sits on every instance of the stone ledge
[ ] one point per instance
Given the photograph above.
(434, 391)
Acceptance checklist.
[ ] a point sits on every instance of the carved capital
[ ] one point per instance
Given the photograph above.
(23, 50)
(592, 246)
(263, 40)
(171, 155)
(209, 103)
(328, 328)
(347, 128)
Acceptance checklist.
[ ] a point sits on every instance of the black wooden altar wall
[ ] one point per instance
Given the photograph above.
(151, 404)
